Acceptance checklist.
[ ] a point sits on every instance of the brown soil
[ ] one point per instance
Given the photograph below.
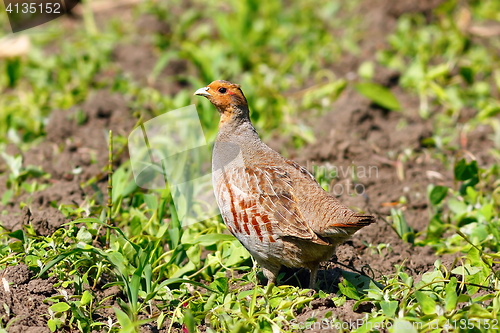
(355, 132)
(68, 146)
(24, 299)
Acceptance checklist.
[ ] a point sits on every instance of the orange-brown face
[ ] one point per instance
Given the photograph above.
(224, 95)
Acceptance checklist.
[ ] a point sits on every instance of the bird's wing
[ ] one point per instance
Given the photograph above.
(333, 217)
(268, 193)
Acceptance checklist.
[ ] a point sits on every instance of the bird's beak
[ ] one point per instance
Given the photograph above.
(202, 92)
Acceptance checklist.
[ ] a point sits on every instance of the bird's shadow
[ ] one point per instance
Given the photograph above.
(327, 279)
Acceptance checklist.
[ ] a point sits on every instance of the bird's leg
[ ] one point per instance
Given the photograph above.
(271, 273)
(312, 278)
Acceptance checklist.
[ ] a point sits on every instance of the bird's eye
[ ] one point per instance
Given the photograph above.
(222, 90)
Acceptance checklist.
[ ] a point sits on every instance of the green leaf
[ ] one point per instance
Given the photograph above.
(474, 257)
(427, 304)
(483, 298)
(368, 326)
(15, 163)
(477, 311)
(238, 255)
(437, 195)
(464, 171)
(401, 226)
(211, 239)
(431, 277)
(474, 280)
(52, 325)
(18, 234)
(161, 320)
(378, 94)
(188, 267)
(151, 201)
(487, 211)
(174, 237)
(118, 260)
(479, 234)
(488, 112)
(438, 71)
(56, 260)
(14, 70)
(122, 184)
(189, 321)
(467, 74)
(84, 236)
(60, 307)
(451, 297)
(7, 196)
(366, 70)
(389, 308)
(86, 298)
(471, 193)
(435, 228)
(122, 317)
(16, 247)
(348, 289)
(221, 285)
(456, 206)
(465, 270)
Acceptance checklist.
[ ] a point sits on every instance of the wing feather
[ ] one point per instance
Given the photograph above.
(269, 193)
(285, 208)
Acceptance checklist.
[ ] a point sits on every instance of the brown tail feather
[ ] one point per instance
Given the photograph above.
(362, 221)
(365, 219)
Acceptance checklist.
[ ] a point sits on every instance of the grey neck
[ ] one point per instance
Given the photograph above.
(236, 138)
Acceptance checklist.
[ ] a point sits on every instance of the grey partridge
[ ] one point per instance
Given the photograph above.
(271, 204)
